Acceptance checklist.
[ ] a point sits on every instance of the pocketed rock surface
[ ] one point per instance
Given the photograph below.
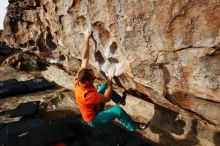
(166, 54)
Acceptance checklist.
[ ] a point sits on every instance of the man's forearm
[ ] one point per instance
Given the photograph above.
(85, 54)
(108, 91)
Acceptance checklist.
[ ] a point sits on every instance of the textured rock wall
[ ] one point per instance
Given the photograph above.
(165, 52)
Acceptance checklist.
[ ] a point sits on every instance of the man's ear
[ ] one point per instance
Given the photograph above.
(87, 83)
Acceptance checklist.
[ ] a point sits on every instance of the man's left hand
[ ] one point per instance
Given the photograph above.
(111, 73)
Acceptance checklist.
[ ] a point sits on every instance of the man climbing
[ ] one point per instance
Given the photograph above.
(91, 101)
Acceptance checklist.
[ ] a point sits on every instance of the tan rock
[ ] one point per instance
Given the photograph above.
(166, 51)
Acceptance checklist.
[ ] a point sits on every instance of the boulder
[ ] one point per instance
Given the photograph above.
(166, 55)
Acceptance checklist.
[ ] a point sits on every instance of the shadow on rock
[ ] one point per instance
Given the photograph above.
(57, 114)
(165, 123)
(217, 138)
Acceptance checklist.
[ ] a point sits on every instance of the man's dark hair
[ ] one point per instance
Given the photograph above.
(85, 75)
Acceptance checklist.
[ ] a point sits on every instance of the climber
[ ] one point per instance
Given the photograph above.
(91, 101)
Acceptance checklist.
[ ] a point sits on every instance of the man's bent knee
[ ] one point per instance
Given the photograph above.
(118, 110)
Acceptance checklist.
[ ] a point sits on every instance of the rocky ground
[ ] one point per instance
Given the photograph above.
(54, 103)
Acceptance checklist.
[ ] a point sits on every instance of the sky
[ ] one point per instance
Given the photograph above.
(3, 6)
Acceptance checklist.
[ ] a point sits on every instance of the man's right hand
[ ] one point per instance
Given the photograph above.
(88, 33)
(85, 54)
(108, 91)
(111, 74)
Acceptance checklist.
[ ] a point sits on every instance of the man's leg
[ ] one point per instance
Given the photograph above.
(115, 96)
(112, 113)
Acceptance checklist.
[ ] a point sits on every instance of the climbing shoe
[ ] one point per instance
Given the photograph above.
(141, 126)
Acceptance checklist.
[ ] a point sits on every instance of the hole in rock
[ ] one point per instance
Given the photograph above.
(113, 60)
(74, 3)
(113, 47)
(45, 9)
(72, 9)
(29, 24)
(37, 3)
(56, 9)
(41, 43)
(99, 58)
(14, 25)
(62, 57)
(31, 42)
(23, 45)
(34, 49)
(104, 34)
(60, 21)
(49, 40)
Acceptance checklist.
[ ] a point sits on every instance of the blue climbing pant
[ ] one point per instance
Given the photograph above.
(104, 116)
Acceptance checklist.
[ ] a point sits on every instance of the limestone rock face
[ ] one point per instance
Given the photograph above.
(165, 51)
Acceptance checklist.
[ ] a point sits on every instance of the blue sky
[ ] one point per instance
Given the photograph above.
(3, 6)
